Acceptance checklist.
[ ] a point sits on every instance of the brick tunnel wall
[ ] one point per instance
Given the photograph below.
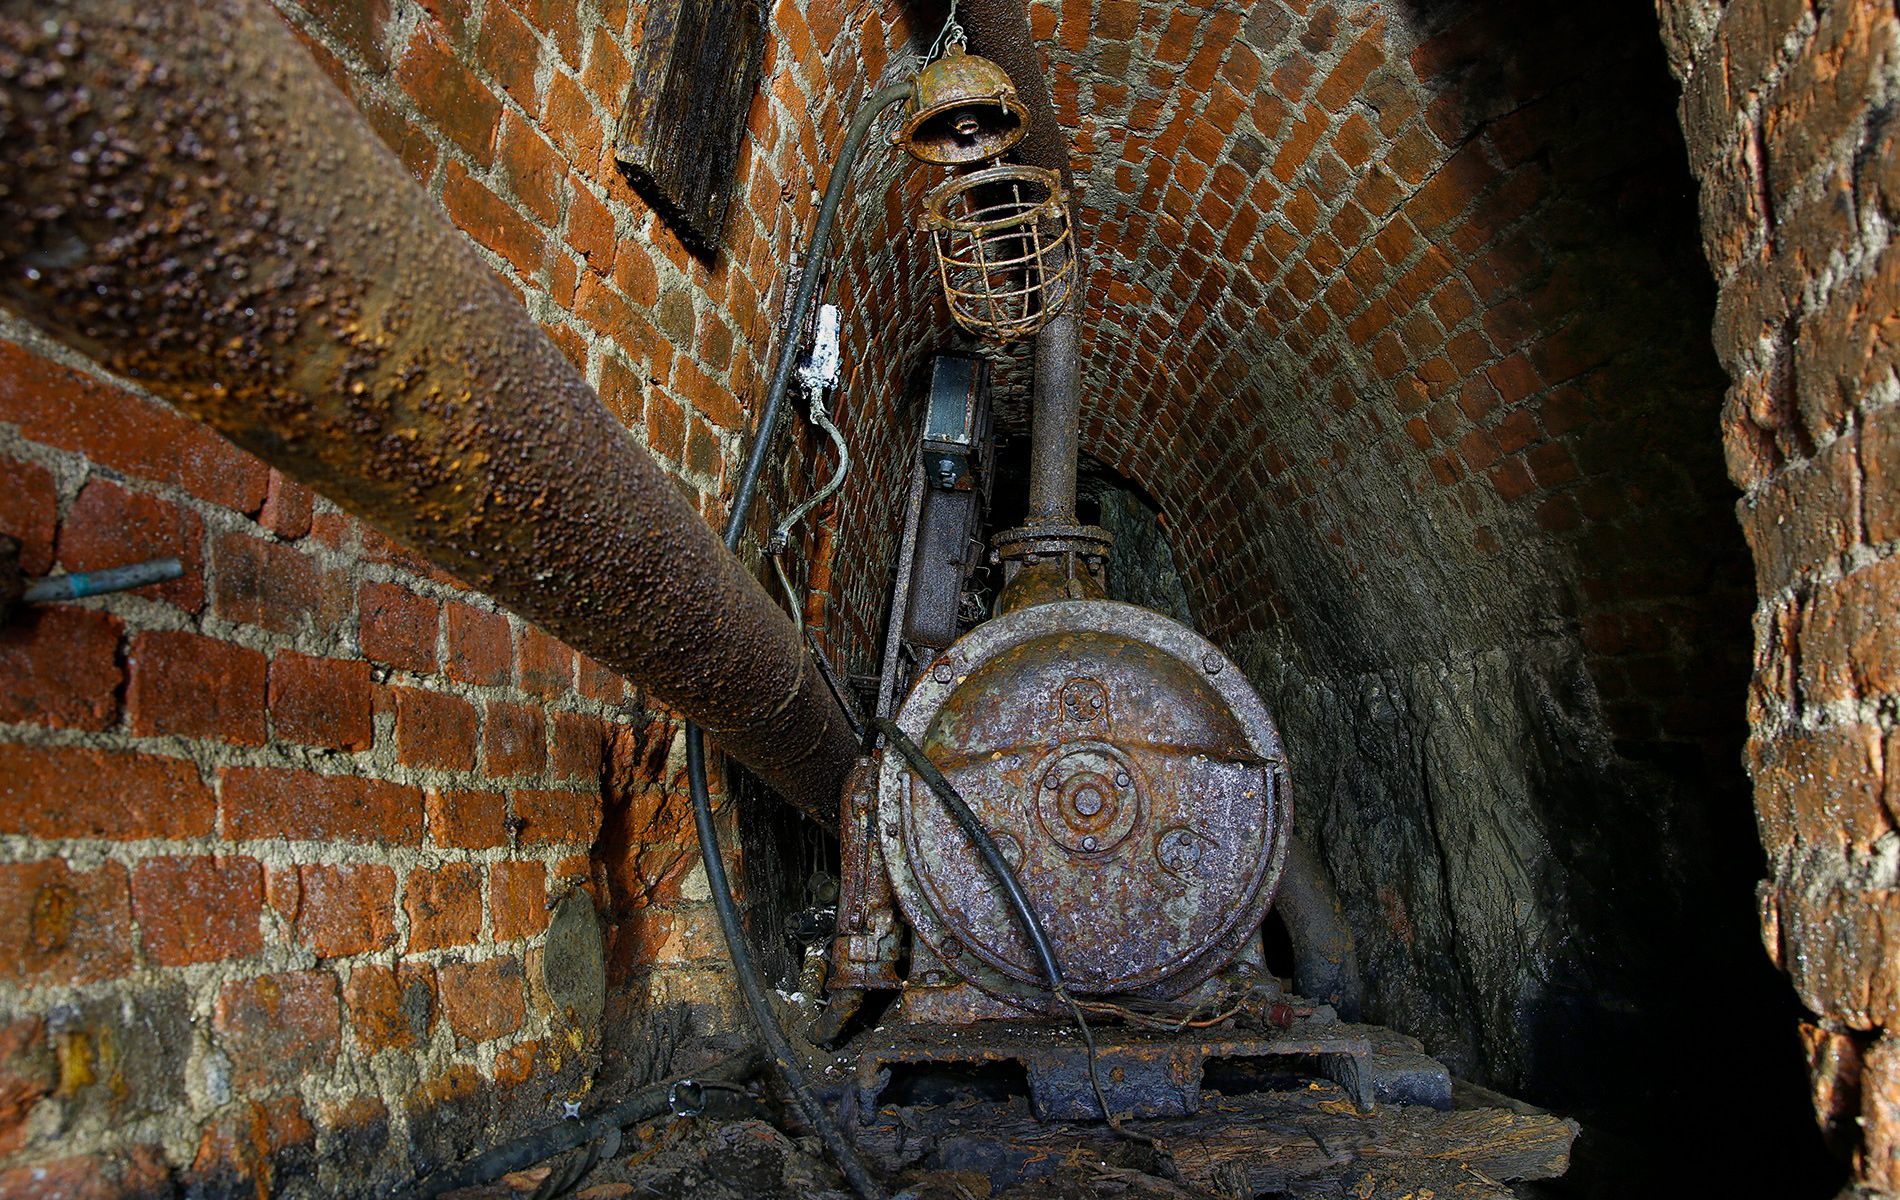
(279, 840)
(1789, 114)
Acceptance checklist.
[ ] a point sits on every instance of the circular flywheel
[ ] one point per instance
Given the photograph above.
(1128, 771)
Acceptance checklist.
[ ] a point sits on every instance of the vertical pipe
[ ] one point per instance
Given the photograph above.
(1055, 432)
(999, 30)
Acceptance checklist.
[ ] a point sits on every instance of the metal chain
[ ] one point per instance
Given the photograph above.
(951, 32)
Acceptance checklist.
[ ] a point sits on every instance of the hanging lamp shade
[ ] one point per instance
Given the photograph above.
(963, 109)
(1005, 257)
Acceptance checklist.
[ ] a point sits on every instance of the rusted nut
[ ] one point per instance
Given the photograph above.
(1211, 664)
(942, 673)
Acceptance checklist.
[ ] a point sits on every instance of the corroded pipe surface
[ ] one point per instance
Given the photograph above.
(1055, 435)
(999, 30)
(187, 199)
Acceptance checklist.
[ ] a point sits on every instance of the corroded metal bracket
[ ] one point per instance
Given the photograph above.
(1146, 1074)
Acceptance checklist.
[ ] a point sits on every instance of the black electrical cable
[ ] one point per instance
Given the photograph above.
(985, 845)
(842, 1153)
(540, 1146)
(808, 280)
(851, 717)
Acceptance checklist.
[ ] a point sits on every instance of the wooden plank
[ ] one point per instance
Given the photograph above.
(1274, 1142)
(694, 76)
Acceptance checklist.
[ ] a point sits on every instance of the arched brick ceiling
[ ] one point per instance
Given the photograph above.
(1386, 300)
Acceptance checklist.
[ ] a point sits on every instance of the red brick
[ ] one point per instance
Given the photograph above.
(535, 172)
(1511, 478)
(69, 792)
(518, 1063)
(569, 120)
(479, 647)
(560, 22)
(550, 816)
(59, 666)
(357, 25)
(577, 746)
(320, 701)
(276, 1029)
(1820, 788)
(343, 910)
(112, 526)
(518, 899)
(1551, 464)
(287, 507)
(545, 665)
(634, 274)
(411, 143)
(624, 394)
(60, 927)
(509, 51)
(599, 683)
(514, 740)
(450, 95)
(590, 229)
(434, 730)
(245, 1141)
(391, 1009)
(1347, 78)
(136, 1172)
(468, 820)
(492, 221)
(29, 512)
(273, 802)
(27, 1076)
(1880, 1114)
(273, 586)
(608, 74)
(194, 910)
(1850, 643)
(444, 906)
(1804, 517)
(61, 407)
(398, 627)
(484, 1000)
(191, 686)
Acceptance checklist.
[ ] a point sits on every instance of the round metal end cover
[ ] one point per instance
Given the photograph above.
(1127, 770)
(574, 962)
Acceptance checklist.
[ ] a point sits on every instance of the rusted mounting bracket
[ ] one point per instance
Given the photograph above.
(1148, 1074)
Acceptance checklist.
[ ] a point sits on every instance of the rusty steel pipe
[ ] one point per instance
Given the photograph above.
(1055, 433)
(188, 200)
(999, 30)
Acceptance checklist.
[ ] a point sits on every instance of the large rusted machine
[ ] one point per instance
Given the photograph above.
(1130, 778)
(1078, 805)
